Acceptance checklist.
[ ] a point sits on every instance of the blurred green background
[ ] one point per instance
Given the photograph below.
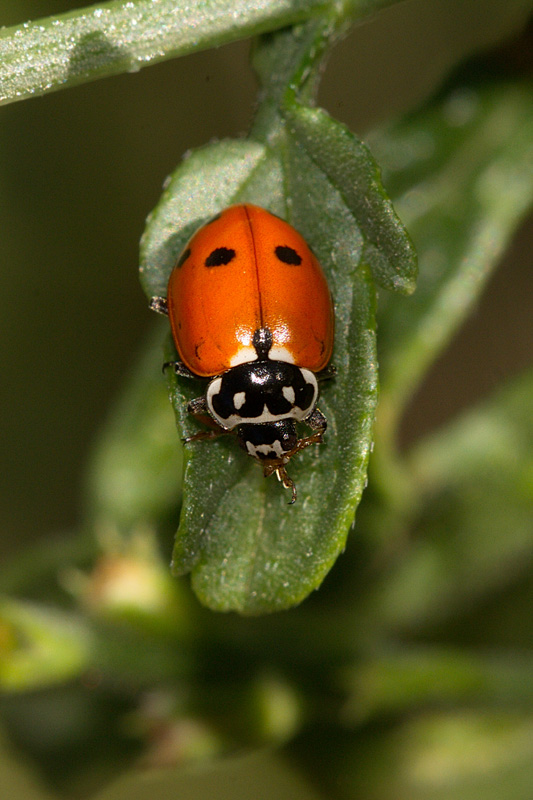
(82, 168)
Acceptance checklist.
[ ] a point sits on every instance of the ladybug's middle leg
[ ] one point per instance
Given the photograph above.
(327, 373)
(197, 408)
(160, 305)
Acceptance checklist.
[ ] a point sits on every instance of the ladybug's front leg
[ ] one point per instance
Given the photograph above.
(159, 305)
(317, 422)
(198, 409)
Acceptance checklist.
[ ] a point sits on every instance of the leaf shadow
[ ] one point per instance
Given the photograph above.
(93, 53)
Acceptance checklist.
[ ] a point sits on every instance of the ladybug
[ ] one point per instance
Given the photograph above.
(251, 313)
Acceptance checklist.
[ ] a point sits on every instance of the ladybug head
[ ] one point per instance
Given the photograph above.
(268, 441)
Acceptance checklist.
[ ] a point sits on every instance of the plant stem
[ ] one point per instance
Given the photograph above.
(110, 38)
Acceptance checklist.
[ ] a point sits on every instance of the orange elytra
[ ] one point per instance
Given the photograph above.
(245, 270)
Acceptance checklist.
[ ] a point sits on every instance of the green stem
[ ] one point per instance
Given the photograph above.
(115, 37)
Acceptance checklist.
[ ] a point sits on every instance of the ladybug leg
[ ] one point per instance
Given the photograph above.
(180, 369)
(159, 305)
(315, 438)
(198, 409)
(202, 435)
(283, 477)
(327, 373)
(288, 483)
(317, 422)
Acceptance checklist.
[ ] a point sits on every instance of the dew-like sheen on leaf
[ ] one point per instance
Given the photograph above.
(346, 163)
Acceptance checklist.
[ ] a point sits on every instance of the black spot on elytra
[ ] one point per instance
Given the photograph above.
(287, 255)
(219, 257)
(183, 258)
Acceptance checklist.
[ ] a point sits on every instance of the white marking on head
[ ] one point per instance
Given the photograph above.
(233, 420)
(288, 394)
(239, 399)
(214, 387)
(212, 390)
(309, 377)
(274, 450)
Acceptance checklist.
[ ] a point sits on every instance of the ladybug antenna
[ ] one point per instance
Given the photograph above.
(288, 483)
(262, 342)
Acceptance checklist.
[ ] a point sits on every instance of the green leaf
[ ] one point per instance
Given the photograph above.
(248, 550)
(344, 162)
(476, 481)
(461, 175)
